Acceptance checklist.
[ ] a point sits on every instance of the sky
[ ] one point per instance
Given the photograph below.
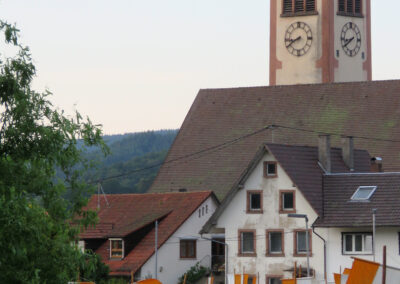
(135, 65)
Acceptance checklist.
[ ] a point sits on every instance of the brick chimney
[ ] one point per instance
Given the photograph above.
(348, 152)
(324, 152)
(376, 165)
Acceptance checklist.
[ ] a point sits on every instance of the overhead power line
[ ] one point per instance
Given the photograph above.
(218, 147)
(206, 150)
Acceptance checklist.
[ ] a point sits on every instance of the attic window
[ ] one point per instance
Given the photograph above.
(116, 248)
(270, 169)
(363, 193)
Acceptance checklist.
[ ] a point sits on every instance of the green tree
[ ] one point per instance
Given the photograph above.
(36, 139)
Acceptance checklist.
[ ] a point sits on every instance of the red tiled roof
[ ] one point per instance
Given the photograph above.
(339, 211)
(368, 109)
(130, 212)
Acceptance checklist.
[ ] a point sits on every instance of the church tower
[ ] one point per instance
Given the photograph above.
(320, 41)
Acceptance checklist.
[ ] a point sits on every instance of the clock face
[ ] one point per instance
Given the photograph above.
(298, 38)
(351, 39)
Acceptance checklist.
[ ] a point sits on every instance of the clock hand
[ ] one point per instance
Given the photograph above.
(293, 40)
(348, 41)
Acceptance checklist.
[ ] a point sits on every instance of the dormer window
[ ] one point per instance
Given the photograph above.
(298, 7)
(351, 8)
(363, 193)
(270, 169)
(116, 248)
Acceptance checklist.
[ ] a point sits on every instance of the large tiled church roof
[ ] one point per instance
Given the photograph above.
(361, 109)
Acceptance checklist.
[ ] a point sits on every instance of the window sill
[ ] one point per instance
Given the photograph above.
(270, 176)
(275, 255)
(357, 253)
(345, 14)
(247, 254)
(299, 14)
(254, 212)
(188, 258)
(287, 211)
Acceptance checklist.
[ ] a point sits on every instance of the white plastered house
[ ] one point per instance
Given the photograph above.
(263, 241)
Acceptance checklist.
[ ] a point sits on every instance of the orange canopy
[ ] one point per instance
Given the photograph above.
(150, 281)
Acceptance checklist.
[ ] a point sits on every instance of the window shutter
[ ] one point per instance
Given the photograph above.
(342, 6)
(310, 5)
(299, 6)
(357, 8)
(287, 6)
(349, 6)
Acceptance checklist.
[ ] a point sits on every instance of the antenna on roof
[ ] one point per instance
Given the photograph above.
(100, 188)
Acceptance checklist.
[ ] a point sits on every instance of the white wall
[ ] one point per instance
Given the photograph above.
(170, 266)
(299, 70)
(384, 236)
(235, 218)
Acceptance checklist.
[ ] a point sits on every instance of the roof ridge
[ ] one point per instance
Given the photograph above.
(304, 85)
(157, 193)
(363, 174)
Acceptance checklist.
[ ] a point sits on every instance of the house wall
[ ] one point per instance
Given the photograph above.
(336, 261)
(235, 217)
(170, 266)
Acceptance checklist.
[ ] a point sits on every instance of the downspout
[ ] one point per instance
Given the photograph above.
(313, 229)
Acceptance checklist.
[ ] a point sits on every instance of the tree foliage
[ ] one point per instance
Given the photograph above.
(36, 139)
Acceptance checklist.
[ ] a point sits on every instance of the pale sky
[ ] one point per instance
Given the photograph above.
(137, 65)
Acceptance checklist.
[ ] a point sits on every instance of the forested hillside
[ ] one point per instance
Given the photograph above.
(130, 152)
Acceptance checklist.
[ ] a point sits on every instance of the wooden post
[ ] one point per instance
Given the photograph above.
(184, 279)
(295, 272)
(131, 277)
(300, 271)
(384, 266)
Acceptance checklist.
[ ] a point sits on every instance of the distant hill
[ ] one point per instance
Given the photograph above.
(130, 152)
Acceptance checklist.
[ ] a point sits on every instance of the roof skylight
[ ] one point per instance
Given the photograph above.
(363, 193)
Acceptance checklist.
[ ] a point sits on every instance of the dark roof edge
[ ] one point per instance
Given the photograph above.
(354, 226)
(235, 188)
(364, 174)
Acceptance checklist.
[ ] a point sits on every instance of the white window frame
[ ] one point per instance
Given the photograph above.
(123, 248)
(353, 239)
(81, 245)
(372, 187)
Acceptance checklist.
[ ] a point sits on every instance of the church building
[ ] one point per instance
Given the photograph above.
(320, 83)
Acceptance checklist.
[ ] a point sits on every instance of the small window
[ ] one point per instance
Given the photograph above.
(188, 249)
(199, 213)
(206, 209)
(247, 243)
(350, 7)
(363, 193)
(274, 279)
(301, 243)
(298, 7)
(116, 248)
(270, 169)
(81, 246)
(357, 243)
(275, 245)
(202, 211)
(254, 201)
(287, 202)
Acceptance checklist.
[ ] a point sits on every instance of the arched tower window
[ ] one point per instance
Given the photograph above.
(350, 7)
(298, 7)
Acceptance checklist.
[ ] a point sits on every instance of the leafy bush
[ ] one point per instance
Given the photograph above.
(194, 274)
